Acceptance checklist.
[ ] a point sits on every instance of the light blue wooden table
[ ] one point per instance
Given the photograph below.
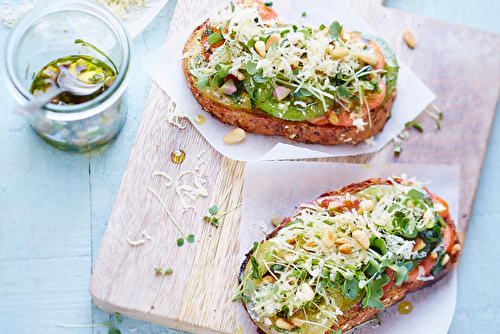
(54, 206)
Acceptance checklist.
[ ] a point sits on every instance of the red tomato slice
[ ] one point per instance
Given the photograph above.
(375, 99)
(426, 264)
(339, 202)
(320, 120)
(265, 12)
(436, 199)
(376, 49)
(448, 237)
(391, 274)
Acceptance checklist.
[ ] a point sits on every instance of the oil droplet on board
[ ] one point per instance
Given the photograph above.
(200, 119)
(405, 307)
(177, 156)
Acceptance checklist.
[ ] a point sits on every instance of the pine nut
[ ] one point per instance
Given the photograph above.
(274, 38)
(260, 47)
(248, 3)
(361, 238)
(410, 204)
(409, 38)
(434, 255)
(240, 76)
(341, 241)
(328, 238)
(419, 245)
(307, 291)
(339, 52)
(324, 32)
(456, 248)
(290, 258)
(269, 279)
(297, 322)
(368, 58)
(345, 248)
(445, 259)
(309, 244)
(283, 324)
(368, 205)
(334, 119)
(235, 136)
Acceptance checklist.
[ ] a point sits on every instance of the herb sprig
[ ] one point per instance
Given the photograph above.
(180, 241)
(213, 216)
(108, 324)
(160, 271)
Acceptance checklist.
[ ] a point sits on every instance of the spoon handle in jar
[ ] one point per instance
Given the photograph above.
(38, 102)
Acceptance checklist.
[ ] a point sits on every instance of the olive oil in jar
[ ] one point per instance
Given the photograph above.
(86, 69)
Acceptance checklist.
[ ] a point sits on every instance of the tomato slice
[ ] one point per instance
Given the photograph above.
(391, 274)
(265, 12)
(337, 203)
(376, 49)
(426, 264)
(444, 213)
(320, 120)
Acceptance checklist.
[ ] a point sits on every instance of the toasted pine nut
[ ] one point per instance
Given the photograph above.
(456, 248)
(409, 38)
(445, 259)
(339, 52)
(309, 244)
(410, 204)
(434, 255)
(283, 324)
(332, 118)
(361, 238)
(248, 3)
(368, 205)
(274, 38)
(419, 245)
(297, 322)
(260, 47)
(328, 238)
(345, 34)
(341, 241)
(269, 279)
(345, 248)
(290, 258)
(235, 136)
(240, 76)
(368, 58)
(307, 291)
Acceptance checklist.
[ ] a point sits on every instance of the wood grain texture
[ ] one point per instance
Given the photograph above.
(196, 298)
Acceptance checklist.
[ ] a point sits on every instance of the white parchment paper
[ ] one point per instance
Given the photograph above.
(148, 13)
(277, 188)
(164, 65)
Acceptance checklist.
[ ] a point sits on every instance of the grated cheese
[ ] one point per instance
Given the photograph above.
(134, 242)
(175, 115)
(125, 9)
(421, 275)
(370, 142)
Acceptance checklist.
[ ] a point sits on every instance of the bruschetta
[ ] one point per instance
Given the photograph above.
(325, 86)
(339, 259)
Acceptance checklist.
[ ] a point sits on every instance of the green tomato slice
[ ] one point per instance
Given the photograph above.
(290, 108)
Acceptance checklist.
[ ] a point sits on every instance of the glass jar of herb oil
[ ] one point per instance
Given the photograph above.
(91, 45)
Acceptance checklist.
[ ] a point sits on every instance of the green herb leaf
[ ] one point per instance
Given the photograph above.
(335, 30)
(269, 4)
(169, 272)
(255, 245)
(252, 67)
(343, 91)
(416, 195)
(180, 242)
(223, 69)
(417, 126)
(304, 14)
(232, 7)
(255, 267)
(190, 238)
(213, 210)
(215, 38)
(113, 330)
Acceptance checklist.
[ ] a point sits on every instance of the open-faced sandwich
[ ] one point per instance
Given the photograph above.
(325, 86)
(339, 259)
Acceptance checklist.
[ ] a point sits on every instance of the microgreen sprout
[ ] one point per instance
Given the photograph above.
(160, 271)
(108, 324)
(304, 14)
(436, 114)
(213, 216)
(180, 241)
(397, 148)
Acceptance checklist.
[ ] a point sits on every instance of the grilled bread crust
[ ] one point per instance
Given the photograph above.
(357, 315)
(258, 121)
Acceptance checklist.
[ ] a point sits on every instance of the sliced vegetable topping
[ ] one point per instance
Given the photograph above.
(328, 76)
(340, 251)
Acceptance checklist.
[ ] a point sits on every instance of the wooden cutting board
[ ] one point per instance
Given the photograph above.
(459, 64)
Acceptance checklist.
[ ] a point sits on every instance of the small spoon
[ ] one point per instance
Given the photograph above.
(67, 84)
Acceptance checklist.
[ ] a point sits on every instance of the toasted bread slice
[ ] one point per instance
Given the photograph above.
(356, 314)
(257, 121)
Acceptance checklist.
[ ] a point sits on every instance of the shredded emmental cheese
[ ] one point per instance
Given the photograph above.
(9, 16)
(125, 9)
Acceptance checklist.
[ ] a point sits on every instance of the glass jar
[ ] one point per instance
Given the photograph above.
(48, 33)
